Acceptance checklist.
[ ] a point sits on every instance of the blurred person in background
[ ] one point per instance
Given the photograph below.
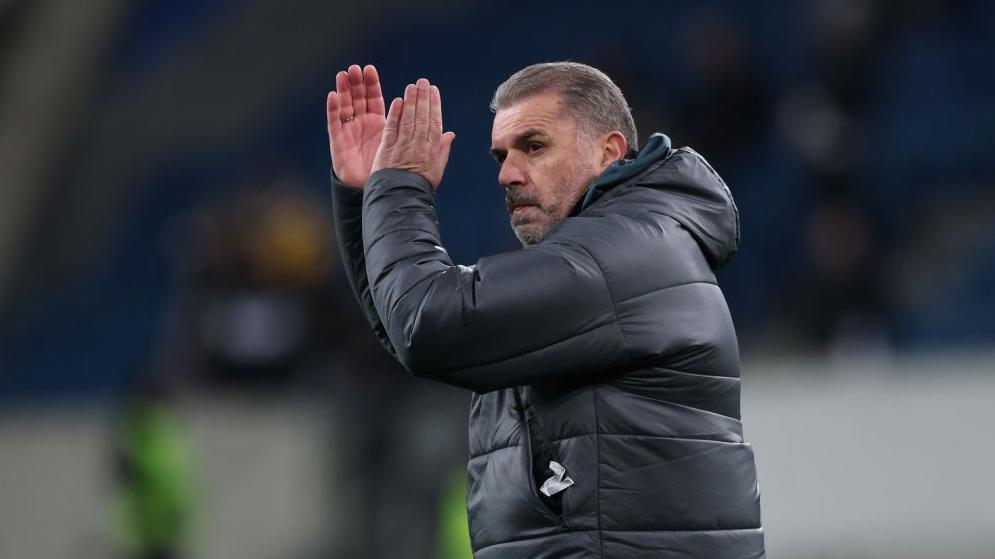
(602, 356)
(256, 293)
(155, 507)
(258, 302)
(453, 532)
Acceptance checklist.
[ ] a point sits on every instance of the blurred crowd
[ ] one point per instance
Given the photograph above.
(184, 232)
(839, 162)
(261, 308)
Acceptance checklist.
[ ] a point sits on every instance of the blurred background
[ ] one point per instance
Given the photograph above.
(184, 371)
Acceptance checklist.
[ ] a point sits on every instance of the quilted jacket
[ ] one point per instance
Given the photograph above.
(606, 350)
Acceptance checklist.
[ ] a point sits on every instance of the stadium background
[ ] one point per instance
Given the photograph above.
(181, 362)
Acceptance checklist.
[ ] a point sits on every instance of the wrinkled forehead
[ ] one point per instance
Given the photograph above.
(541, 112)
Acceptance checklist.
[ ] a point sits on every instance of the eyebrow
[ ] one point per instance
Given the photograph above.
(521, 138)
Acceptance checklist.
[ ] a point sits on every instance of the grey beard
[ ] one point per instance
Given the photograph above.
(527, 237)
(532, 233)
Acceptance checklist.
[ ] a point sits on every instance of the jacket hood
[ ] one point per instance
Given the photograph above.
(697, 197)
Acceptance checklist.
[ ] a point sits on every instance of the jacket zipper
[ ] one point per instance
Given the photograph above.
(530, 465)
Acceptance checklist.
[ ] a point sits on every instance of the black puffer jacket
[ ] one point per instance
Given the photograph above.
(607, 348)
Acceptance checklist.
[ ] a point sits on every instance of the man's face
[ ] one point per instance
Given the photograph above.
(546, 165)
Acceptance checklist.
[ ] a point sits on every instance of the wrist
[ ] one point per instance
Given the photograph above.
(397, 177)
(348, 182)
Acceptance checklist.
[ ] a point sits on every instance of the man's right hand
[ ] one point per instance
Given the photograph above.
(356, 119)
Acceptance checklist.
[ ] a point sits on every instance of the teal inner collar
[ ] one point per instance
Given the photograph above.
(656, 148)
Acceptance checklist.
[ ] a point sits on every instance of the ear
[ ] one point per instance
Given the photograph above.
(613, 148)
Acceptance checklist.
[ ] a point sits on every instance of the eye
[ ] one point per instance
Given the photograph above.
(534, 147)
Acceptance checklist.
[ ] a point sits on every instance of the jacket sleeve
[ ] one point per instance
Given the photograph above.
(347, 208)
(516, 318)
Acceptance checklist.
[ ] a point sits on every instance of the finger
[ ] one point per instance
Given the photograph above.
(358, 90)
(392, 126)
(344, 91)
(332, 112)
(422, 112)
(435, 115)
(407, 124)
(374, 95)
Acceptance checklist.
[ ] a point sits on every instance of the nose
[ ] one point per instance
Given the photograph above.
(511, 173)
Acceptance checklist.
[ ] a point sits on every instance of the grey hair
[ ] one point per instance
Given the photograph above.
(588, 95)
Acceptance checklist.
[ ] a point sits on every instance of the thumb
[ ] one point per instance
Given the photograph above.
(445, 145)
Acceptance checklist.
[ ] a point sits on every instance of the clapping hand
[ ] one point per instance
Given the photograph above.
(413, 139)
(355, 112)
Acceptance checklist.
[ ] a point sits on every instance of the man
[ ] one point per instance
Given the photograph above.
(603, 360)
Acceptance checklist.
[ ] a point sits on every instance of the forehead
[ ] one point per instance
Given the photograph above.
(540, 111)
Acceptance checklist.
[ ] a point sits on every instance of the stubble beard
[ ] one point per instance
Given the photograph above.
(565, 196)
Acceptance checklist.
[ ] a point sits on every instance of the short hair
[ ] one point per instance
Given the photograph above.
(588, 95)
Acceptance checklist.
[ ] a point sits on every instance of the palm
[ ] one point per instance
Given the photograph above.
(356, 119)
(355, 148)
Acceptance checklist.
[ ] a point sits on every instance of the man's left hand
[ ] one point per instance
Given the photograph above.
(413, 139)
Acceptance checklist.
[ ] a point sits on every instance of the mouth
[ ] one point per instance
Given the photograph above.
(519, 208)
